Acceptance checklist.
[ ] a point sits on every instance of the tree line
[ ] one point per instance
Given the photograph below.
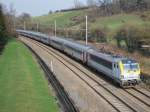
(110, 7)
(3, 29)
(7, 24)
(133, 35)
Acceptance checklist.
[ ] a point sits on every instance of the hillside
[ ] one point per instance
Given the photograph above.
(63, 19)
(109, 24)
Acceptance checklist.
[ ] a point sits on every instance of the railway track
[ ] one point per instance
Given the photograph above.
(66, 102)
(139, 96)
(117, 98)
(143, 91)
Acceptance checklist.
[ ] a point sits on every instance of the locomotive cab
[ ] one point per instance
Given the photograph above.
(129, 72)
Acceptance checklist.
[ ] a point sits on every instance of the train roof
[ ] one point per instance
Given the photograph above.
(40, 34)
(78, 45)
(112, 58)
(57, 39)
(91, 50)
(71, 43)
(34, 33)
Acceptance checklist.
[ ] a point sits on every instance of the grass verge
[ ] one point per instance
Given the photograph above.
(63, 19)
(22, 83)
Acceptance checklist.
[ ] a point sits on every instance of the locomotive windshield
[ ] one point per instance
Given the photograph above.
(126, 66)
(130, 65)
(133, 66)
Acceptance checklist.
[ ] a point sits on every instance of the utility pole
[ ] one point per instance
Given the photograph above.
(37, 27)
(24, 25)
(52, 69)
(55, 27)
(14, 24)
(86, 31)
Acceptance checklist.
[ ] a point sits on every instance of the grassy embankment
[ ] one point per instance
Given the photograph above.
(64, 19)
(112, 23)
(22, 83)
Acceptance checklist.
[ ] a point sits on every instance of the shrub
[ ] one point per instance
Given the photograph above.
(2, 27)
(132, 35)
(99, 35)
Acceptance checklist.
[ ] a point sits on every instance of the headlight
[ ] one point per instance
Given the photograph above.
(139, 76)
(122, 76)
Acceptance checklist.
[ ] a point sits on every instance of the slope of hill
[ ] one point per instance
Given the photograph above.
(64, 19)
(76, 19)
(115, 22)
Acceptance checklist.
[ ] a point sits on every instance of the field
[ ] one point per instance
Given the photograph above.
(22, 82)
(63, 19)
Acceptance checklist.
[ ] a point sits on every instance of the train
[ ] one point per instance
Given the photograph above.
(122, 70)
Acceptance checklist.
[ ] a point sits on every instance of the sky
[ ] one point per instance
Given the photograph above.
(38, 7)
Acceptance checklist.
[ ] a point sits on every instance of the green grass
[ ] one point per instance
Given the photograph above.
(23, 87)
(112, 23)
(115, 21)
(63, 18)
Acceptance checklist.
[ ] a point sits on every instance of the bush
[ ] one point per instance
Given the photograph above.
(99, 35)
(132, 35)
(3, 29)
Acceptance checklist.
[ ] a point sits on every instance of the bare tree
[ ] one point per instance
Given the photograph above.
(25, 17)
(116, 6)
(93, 9)
(91, 3)
(105, 7)
(3, 28)
(50, 12)
(9, 14)
(78, 4)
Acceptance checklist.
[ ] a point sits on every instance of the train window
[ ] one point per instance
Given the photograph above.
(74, 49)
(56, 42)
(114, 66)
(134, 66)
(126, 66)
(131, 66)
(117, 66)
(101, 61)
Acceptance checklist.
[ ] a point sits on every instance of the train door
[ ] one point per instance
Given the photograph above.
(116, 70)
(84, 57)
(63, 46)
